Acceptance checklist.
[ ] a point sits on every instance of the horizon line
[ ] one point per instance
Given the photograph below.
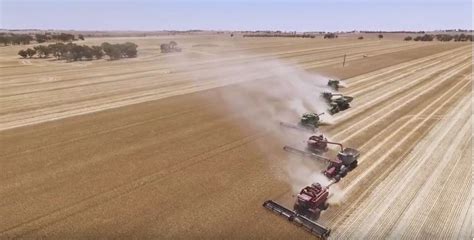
(227, 30)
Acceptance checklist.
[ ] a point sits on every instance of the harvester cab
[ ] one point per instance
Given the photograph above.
(327, 96)
(334, 84)
(317, 144)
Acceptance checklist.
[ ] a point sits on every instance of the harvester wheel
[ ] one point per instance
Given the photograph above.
(325, 206)
(353, 165)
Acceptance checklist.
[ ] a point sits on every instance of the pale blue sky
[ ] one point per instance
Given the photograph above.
(298, 15)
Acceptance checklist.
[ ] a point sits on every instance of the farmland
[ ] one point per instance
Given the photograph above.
(180, 145)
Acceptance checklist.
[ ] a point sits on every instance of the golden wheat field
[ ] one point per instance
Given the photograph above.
(187, 144)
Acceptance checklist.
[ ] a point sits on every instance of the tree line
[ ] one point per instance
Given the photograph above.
(280, 35)
(420, 32)
(74, 52)
(15, 39)
(441, 37)
(19, 39)
(62, 37)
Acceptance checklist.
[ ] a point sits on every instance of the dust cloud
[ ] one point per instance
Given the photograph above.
(269, 92)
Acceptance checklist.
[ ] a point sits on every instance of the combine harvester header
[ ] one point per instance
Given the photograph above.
(299, 220)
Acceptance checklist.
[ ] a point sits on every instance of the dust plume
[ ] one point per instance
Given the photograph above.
(270, 91)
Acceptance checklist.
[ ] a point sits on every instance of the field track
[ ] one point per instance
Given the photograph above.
(145, 148)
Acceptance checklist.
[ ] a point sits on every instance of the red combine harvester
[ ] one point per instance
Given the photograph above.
(311, 201)
(308, 206)
(338, 168)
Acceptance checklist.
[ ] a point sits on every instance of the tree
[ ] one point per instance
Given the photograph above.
(330, 35)
(408, 38)
(112, 51)
(58, 50)
(19, 39)
(380, 36)
(25, 38)
(97, 52)
(165, 48)
(129, 49)
(23, 53)
(87, 52)
(40, 38)
(80, 36)
(427, 37)
(444, 37)
(30, 52)
(5, 40)
(64, 37)
(76, 52)
(462, 37)
(43, 51)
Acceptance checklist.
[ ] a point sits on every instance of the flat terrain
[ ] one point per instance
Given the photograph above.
(187, 145)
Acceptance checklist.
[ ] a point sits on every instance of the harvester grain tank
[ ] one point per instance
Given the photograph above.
(334, 84)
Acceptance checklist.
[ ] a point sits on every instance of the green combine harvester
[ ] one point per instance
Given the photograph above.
(308, 122)
(337, 102)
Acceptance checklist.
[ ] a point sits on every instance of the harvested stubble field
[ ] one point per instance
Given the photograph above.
(166, 147)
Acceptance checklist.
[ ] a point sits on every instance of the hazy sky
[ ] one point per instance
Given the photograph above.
(298, 15)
